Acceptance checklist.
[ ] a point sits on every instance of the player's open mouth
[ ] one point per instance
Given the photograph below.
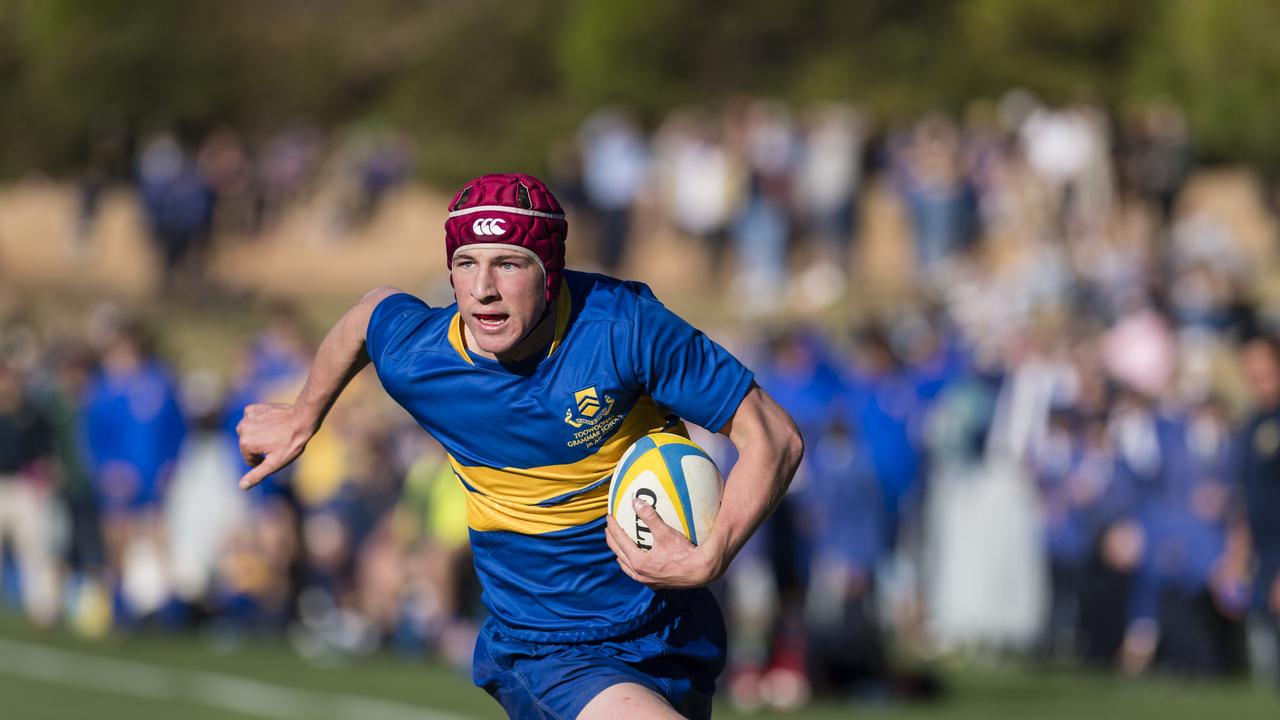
(490, 322)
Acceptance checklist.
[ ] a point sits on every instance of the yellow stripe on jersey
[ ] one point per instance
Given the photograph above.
(508, 498)
(486, 513)
(564, 304)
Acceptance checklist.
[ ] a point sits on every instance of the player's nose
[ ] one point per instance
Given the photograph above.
(485, 286)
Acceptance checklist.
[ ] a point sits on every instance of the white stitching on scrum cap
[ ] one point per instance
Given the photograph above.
(504, 208)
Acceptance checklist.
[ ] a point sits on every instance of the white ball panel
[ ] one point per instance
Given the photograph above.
(705, 488)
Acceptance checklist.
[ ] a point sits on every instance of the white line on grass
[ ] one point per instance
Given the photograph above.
(199, 687)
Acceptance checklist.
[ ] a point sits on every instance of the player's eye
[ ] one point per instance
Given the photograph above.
(510, 266)
(465, 264)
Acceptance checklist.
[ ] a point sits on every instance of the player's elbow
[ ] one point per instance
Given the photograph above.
(765, 425)
(785, 441)
(791, 447)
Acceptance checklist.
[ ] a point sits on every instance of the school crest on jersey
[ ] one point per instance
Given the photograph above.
(592, 416)
(588, 408)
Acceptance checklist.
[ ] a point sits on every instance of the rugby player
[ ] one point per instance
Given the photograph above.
(536, 381)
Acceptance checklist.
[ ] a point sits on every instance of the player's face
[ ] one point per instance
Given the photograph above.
(501, 294)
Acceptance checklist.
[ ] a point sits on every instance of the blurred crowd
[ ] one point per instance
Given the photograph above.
(119, 506)
(1061, 441)
(195, 187)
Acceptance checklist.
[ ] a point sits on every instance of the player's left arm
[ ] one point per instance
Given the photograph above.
(769, 450)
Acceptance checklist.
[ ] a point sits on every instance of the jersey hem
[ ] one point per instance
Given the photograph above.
(672, 604)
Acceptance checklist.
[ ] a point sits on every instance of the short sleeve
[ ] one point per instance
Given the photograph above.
(391, 324)
(684, 370)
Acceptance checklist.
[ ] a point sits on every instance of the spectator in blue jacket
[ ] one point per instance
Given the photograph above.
(133, 428)
(1184, 518)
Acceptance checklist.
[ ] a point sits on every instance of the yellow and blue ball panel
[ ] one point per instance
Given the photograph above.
(663, 455)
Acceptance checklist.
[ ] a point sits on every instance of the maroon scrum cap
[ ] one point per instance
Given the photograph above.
(510, 210)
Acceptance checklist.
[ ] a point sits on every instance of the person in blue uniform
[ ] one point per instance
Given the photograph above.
(133, 429)
(535, 382)
(1258, 479)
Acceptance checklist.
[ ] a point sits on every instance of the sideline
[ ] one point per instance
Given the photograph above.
(199, 687)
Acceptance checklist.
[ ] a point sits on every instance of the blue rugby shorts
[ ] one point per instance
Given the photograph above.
(677, 657)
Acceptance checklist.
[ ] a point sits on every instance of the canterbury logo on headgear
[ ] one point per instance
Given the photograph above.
(488, 226)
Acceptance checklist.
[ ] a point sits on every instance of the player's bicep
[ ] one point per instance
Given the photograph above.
(758, 416)
(761, 430)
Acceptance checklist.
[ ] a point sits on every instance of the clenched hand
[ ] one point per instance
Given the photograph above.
(673, 562)
(271, 437)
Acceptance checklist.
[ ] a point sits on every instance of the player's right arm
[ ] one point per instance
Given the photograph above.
(274, 435)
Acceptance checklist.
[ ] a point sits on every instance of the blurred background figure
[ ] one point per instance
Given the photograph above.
(223, 161)
(26, 512)
(179, 207)
(848, 652)
(614, 174)
(201, 510)
(828, 181)
(134, 428)
(701, 181)
(761, 234)
(932, 185)
(1259, 448)
(283, 170)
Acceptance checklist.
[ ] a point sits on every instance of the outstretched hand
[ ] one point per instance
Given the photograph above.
(673, 562)
(271, 437)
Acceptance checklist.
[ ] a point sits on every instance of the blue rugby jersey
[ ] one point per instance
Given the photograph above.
(534, 444)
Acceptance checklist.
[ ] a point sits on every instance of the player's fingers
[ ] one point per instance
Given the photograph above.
(618, 545)
(258, 474)
(619, 540)
(627, 563)
(613, 546)
(630, 569)
(639, 575)
(645, 512)
(651, 518)
(608, 539)
(625, 541)
(256, 409)
(617, 550)
(629, 572)
(251, 453)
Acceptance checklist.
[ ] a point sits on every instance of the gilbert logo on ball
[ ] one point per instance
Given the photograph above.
(673, 475)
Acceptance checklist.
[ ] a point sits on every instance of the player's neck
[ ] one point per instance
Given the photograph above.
(533, 343)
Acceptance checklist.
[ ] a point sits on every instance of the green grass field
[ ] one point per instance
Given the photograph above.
(56, 675)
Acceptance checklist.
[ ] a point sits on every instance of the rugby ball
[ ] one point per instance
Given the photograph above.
(676, 477)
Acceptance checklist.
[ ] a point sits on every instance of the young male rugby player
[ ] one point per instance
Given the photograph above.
(536, 382)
